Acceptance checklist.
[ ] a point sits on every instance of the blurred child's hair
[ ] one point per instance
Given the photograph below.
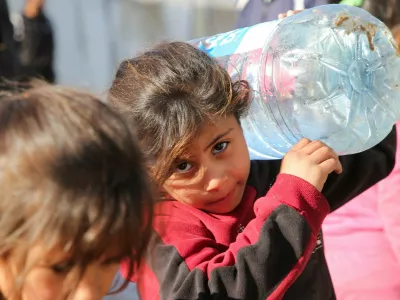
(71, 176)
(168, 93)
(388, 11)
(396, 34)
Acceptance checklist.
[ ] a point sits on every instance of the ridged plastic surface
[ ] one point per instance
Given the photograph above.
(330, 73)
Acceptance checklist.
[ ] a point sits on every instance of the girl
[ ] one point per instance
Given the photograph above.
(230, 228)
(74, 196)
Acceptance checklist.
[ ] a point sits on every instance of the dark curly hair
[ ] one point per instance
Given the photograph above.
(168, 93)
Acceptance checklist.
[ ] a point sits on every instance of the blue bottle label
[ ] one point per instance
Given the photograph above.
(224, 43)
(237, 41)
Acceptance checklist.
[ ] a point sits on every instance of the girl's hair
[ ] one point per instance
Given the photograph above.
(168, 93)
(71, 176)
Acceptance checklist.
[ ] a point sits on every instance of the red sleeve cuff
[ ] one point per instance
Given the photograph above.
(302, 196)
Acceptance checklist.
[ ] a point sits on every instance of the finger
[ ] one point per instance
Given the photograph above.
(313, 146)
(339, 168)
(290, 13)
(300, 144)
(281, 16)
(295, 12)
(323, 153)
(331, 165)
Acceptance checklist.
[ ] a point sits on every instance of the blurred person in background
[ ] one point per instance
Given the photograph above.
(26, 43)
(362, 238)
(258, 11)
(362, 242)
(9, 64)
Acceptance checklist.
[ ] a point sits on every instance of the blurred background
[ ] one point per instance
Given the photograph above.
(92, 36)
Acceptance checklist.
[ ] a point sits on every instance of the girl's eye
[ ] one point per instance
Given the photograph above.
(62, 268)
(220, 147)
(183, 167)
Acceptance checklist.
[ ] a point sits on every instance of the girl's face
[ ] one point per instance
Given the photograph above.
(212, 175)
(45, 280)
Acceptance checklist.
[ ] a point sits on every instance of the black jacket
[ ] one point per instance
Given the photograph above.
(269, 247)
(27, 50)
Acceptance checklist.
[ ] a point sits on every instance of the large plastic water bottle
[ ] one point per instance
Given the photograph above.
(330, 73)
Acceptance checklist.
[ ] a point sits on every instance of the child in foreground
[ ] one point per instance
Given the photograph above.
(230, 228)
(74, 197)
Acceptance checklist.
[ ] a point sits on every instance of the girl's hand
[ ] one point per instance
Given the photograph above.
(288, 14)
(312, 161)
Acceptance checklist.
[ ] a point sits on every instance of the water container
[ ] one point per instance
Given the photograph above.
(329, 73)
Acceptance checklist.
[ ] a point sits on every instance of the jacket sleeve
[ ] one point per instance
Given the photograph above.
(262, 263)
(389, 203)
(360, 172)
